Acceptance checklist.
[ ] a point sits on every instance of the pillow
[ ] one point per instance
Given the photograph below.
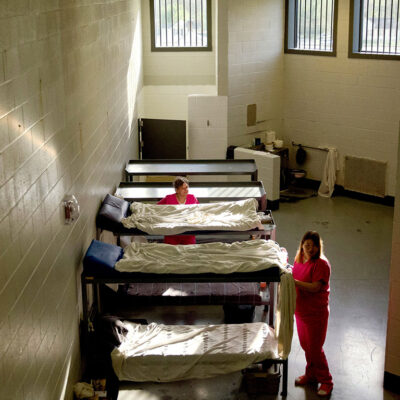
(111, 212)
(100, 259)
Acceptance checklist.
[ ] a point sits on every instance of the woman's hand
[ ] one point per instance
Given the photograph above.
(312, 287)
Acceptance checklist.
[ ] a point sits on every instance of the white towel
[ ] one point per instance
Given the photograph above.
(329, 176)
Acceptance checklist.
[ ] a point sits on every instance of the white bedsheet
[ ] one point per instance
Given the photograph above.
(165, 353)
(220, 258)
(217, 257)
(157, 219)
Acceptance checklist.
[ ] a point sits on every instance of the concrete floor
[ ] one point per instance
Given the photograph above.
(357, 237)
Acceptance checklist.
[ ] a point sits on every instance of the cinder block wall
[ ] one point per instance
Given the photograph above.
(392, 359)
(351, 104)
(255, 67)
(170, 77)
(70, 72)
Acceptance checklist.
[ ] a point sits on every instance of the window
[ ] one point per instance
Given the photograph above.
(375, 29)
(311, 27)
(180, 25)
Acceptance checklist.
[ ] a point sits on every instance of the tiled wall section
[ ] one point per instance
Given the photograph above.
(351, 104)
(67, 71)
(255, 65)
(392, 360)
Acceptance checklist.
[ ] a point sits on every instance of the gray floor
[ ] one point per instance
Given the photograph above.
(357, 237)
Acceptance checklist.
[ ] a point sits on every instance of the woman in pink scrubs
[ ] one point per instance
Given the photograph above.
(181, 196)
(311, 272)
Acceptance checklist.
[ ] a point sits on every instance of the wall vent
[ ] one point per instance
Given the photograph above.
(365, 175)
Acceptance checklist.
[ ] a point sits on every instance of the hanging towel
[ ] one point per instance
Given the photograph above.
(329, 176)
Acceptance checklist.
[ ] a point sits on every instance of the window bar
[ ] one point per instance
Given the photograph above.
(320, 23)
(304, 23)
(371, 12)
(363, 24)
(390, 30)
(159, 20)
(172, 24)
(190, 24)
(195, 17)
(202, 23)
(367, 28)
(384, 27)
(298, 44)
(397, 24)
(331, 27)
(296, 34)
(315, 25)
(179, 22)
(326, 21)
(184, 23)
(304, 27)
(309, 28)
(379, 27)
(165, 13)
(372, 24)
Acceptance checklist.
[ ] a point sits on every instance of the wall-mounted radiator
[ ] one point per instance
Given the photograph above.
(365, 175)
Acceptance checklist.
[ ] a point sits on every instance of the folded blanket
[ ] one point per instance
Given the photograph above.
(157, 219)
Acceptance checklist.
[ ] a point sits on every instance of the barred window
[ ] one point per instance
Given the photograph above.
(375, 29)
(179, 25)
(311, 27)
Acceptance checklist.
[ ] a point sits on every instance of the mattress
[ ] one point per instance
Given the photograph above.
(195, 293)
(166, 353)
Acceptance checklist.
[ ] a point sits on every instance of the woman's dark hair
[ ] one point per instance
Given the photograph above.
(316, 239)
(179, 181)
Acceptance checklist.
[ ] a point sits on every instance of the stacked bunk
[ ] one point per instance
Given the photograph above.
(140, 349)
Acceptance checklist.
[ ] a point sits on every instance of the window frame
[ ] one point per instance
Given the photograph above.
(187, 48)
(289, 50)
(354, 37)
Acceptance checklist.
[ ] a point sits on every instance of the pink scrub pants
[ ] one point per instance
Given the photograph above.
(312, 333)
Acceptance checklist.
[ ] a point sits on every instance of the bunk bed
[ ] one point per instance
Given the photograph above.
(242, 297)
(100, 266)
(100, 269)
(135, 168)
(114, 209)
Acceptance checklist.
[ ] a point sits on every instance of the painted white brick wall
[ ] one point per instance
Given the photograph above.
(69, 76)
(350, 104)
(268, 166)
(392, 359)
(176, 68)
(170, 101)
(255, 67)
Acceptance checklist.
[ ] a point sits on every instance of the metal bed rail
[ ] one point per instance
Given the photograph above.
(205, 192)
(163, 167)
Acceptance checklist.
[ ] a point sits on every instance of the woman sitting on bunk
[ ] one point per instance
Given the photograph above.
(181, 196)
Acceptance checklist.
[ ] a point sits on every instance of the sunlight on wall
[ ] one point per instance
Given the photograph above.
(66, 375)
(37, 142)
(134, 70)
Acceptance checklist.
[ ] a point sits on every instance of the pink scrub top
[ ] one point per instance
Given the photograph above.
(183, 239)
(312, 271)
